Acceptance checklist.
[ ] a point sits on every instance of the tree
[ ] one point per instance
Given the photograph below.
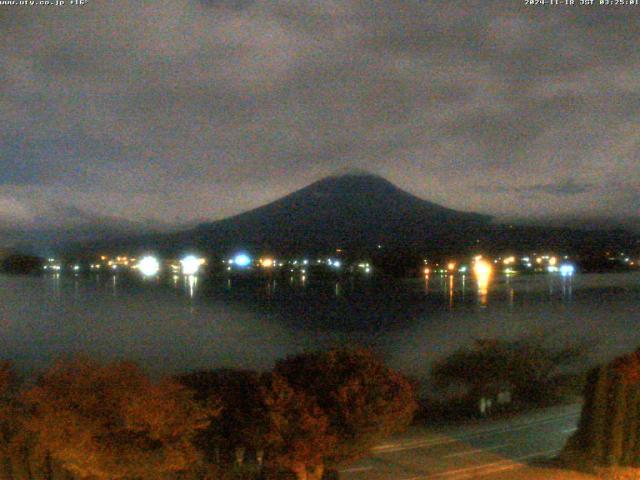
(111, 422)
(20, 264)
(297, 438)
(607, 434)
(241, 422)
(527, 364)
(9, 414)
(8, 382)
(363, 400)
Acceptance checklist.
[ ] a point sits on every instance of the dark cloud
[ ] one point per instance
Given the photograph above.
(563, 188)
(568, 187)
(202, 108)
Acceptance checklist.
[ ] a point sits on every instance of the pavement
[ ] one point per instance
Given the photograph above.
(507, 448)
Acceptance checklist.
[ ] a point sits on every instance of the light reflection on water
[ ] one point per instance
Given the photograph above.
(173, 324)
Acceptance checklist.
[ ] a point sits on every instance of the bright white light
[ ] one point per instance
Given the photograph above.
(567, 270)
(191, 265)
(552, 269)
(76, 268)
(242, 260)
(337, 263)
(149, 266)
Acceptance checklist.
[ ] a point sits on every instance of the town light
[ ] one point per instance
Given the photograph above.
(267, 262)
(482, 268)
(191, 264)
(242, 260)
(482, 271)
(566, 270)
(509, 260)
(149, 266)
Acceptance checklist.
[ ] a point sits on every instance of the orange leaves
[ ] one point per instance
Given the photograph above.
(628, 367)
(111, 421)
(165, 412)
(363, 399)
(312, 409)
(7, 408)
(7, 377)
(298, 430)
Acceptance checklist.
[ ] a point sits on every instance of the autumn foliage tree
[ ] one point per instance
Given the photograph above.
(8, 381)
(298, 431)
(8, 414)
(363, 400)
(312, 410)
(608, 431)
(94, 421)
(112, 422)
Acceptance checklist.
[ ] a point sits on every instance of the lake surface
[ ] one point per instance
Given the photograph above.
(177, 324)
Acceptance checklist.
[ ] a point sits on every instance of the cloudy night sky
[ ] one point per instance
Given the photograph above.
(177, 111)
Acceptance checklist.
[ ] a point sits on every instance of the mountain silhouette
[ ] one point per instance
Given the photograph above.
(363, 213)
(354, 210)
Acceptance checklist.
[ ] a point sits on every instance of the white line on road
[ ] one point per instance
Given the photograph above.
(477, 450)
(355, 469)
(486, 468)
(397, 447)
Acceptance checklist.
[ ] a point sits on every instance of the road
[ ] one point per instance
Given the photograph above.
(484, 449)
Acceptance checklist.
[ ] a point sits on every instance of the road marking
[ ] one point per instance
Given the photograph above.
(398, 447)
(477, 450)
(478, 470)
(570, 430)
(508, 466)
(355, 469)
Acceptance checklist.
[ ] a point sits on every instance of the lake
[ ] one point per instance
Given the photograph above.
(175, 324)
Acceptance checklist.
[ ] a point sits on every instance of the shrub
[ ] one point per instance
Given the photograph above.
(527, 365)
